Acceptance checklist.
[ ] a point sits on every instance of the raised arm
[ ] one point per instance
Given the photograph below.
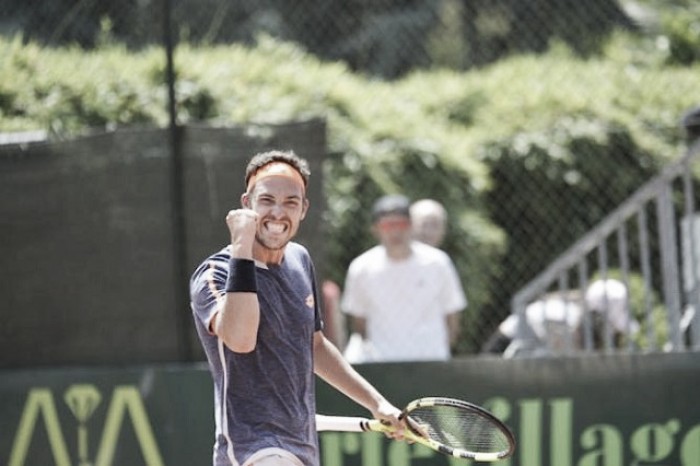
(238, 319)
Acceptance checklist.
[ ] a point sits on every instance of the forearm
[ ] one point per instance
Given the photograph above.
(453, 327)
(237, 322)
(239, 317)
(359, 326)
(330, 365)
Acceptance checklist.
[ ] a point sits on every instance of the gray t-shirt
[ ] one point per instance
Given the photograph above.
(264, 399)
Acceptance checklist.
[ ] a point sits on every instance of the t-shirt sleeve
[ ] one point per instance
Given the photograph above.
(509, 326)
(207, 290)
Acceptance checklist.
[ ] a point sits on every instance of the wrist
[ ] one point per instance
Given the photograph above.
(241, 276)
(241, 251)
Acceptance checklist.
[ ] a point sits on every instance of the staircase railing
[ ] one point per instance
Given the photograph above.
(654, 237)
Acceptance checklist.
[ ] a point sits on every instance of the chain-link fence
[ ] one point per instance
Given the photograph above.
(514, 202)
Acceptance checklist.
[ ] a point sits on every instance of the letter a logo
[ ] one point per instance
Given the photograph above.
(39, 402)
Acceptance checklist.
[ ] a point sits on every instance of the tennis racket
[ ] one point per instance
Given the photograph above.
(451, 427)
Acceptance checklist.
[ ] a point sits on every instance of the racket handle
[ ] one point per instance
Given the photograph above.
(346, 424)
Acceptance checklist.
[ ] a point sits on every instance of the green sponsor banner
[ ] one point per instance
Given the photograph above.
(584, 411)
(154, 416)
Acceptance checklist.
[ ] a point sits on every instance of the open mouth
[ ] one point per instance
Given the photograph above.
(276, 228)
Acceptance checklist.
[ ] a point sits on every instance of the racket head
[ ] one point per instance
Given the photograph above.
(458, 428)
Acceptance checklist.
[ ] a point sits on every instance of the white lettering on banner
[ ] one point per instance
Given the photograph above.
(546, 436)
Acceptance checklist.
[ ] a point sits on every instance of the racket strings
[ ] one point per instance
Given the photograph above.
(461, 428)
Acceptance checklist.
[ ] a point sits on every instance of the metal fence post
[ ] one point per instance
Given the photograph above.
(669, 263)
(180, 278)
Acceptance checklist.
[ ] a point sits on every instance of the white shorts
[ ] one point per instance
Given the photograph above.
(273, 457)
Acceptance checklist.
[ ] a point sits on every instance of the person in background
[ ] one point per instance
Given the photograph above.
(556, 324)
(256, 311)
(429, 221)
(333, 318)
(607, 302)
(403, 296)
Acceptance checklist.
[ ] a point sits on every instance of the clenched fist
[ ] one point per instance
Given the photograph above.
(242, 225)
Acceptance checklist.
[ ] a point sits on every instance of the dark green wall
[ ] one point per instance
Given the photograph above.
(87, 238)
(586, 411)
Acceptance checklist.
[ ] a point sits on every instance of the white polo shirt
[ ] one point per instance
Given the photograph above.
(405, 302)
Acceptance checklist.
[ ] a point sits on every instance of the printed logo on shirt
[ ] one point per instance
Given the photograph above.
(310, 301)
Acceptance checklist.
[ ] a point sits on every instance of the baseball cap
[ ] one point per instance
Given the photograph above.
(391, 204)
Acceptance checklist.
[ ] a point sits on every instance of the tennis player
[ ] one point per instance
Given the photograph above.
(256, 311)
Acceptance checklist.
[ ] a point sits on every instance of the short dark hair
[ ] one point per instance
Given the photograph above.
(289, 157)
(391, 204)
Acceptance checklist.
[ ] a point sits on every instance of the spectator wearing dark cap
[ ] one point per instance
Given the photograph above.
(404, 297)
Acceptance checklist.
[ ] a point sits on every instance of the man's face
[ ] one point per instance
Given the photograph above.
(430, 229)
(281, 206)
(393, 230)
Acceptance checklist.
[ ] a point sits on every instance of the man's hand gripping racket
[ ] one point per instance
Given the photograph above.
(452, 427)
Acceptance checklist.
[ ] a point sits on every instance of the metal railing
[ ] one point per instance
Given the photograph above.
(651, 258)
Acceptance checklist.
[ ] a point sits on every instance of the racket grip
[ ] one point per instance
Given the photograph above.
(342, 423)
